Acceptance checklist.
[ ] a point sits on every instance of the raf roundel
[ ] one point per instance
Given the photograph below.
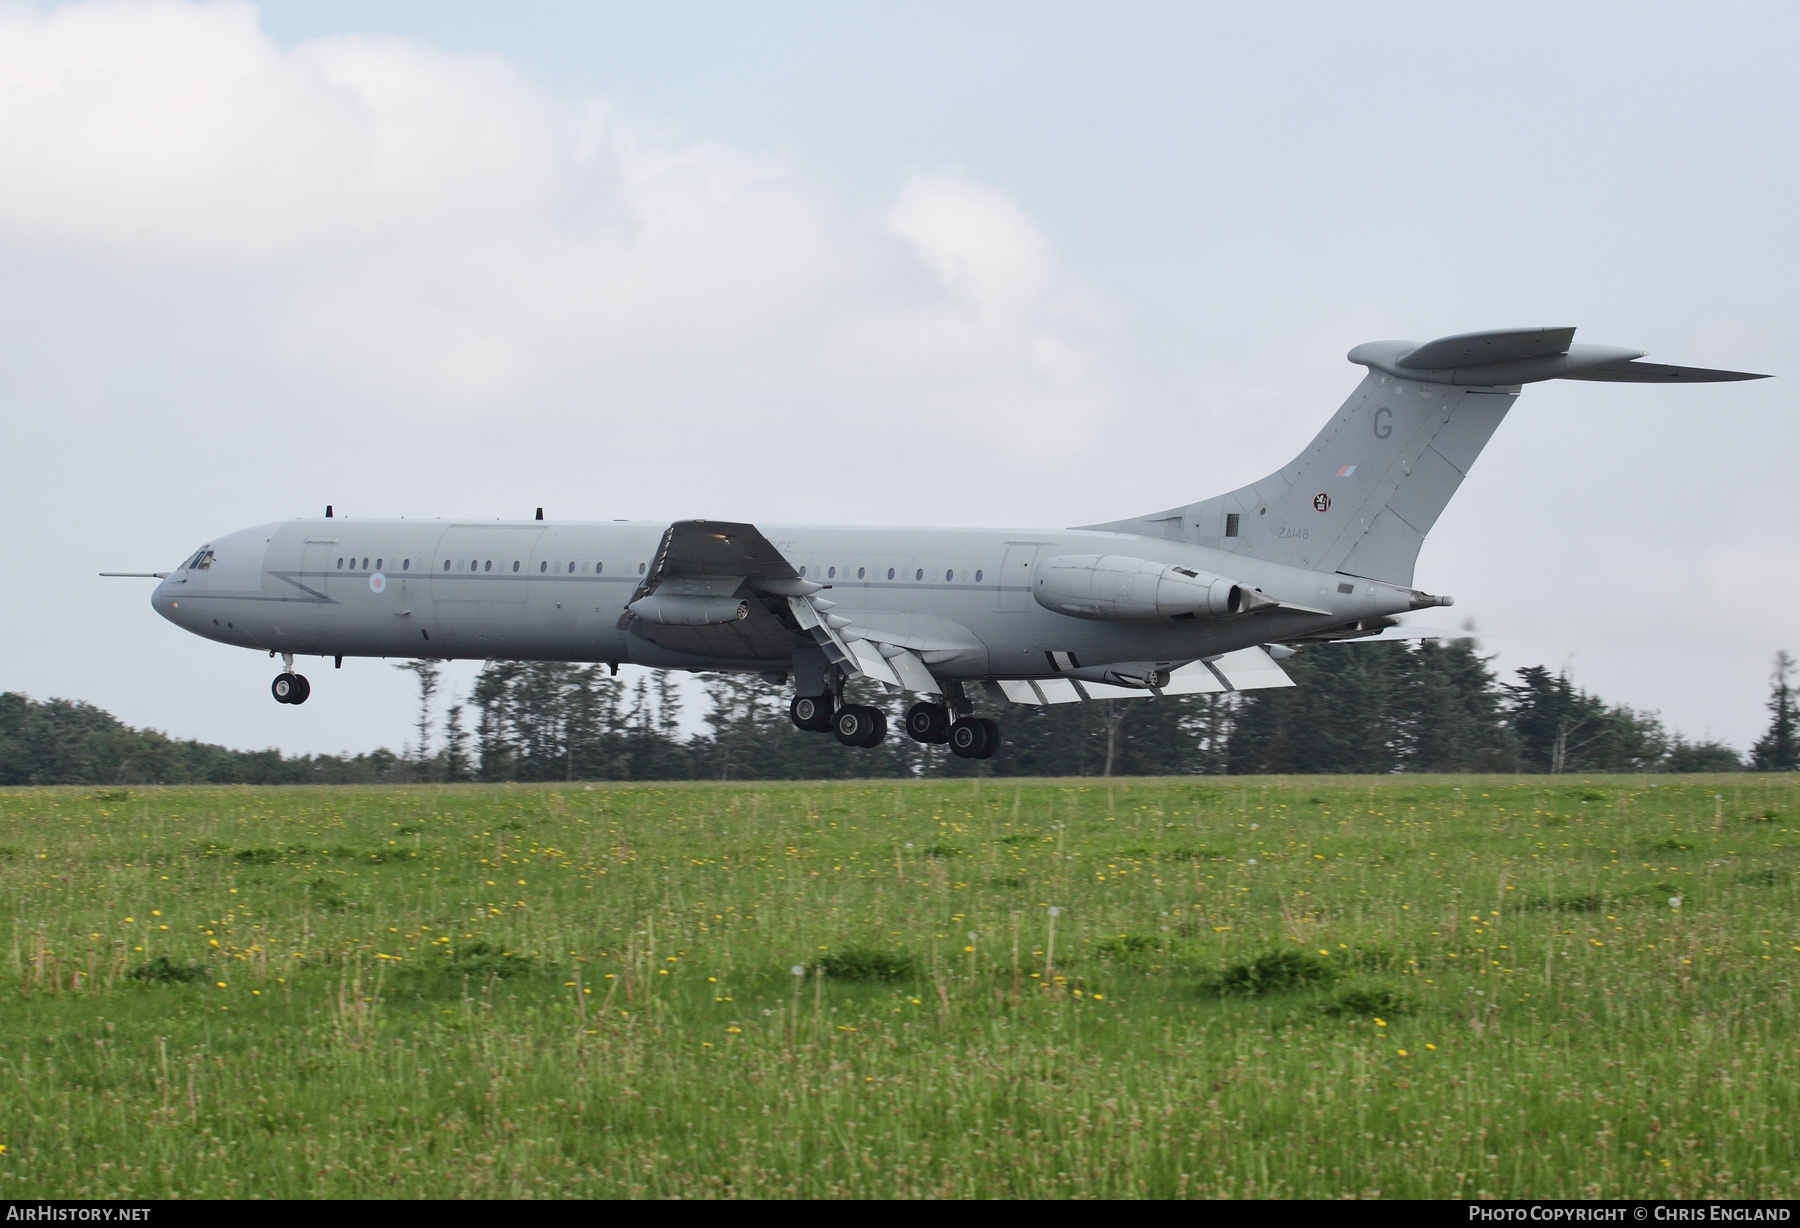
(377, 583)
(1321, 502)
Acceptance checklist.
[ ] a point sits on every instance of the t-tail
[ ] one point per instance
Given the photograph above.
(1362, 496)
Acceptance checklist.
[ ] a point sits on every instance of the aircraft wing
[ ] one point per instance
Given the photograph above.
(717, 558)
(1247, 669)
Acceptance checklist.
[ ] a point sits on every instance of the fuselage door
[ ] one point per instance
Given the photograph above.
(1015, 576)
(309, 591)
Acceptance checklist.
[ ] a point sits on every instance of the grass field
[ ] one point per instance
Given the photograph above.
(1405, 987)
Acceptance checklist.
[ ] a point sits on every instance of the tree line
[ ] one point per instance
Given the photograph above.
(1436, 706)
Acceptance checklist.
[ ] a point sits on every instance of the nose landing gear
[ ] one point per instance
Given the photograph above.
(289, 687)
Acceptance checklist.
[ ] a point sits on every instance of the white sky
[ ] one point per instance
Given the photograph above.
(1008, 264)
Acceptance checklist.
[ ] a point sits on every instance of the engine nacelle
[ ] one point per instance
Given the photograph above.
(1119, 588)
(682, 610)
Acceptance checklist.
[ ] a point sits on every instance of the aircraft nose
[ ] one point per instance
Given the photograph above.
(164, 601)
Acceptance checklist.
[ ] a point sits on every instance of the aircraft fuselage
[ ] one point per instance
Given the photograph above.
(547, 590)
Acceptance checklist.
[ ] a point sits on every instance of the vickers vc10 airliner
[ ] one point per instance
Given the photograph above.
(1200, 598)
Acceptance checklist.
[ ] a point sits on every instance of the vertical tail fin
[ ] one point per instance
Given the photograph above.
(1365, 492)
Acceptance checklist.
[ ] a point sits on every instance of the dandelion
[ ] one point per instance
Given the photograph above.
(1431, 1046)
(1674, 901)
(1099, 997)
(1381, 1023)
(734, 1029)
(1401, 1052)
(220, 984)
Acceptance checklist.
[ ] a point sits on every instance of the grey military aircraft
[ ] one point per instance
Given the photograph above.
(1200, 598)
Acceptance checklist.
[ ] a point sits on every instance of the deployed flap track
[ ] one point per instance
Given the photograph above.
(1247, 669)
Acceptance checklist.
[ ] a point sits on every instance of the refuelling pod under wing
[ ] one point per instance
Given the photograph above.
(682, 610)
(1120, 588)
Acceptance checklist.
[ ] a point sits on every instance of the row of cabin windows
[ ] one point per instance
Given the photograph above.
(474, 565)
(862, 573)
(543, 567)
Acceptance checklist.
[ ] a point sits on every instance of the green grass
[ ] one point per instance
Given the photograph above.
(1405, 987)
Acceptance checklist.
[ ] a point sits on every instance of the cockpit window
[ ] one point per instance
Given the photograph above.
(200, 561)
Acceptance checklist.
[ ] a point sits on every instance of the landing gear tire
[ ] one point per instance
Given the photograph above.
(860, 726)
(928, 723)
(812, 713)
(971, 736)
(993, 739)
(290, 689)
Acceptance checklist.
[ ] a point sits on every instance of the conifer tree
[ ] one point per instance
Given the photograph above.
(1779, 749)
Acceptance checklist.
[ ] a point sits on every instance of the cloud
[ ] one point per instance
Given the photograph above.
(430, 234)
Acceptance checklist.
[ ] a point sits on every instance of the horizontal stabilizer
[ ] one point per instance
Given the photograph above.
(1503, 357)
(1657, 373)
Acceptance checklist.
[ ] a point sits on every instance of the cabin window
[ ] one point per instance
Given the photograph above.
(597, 567)
(1231, 524)
(949, 576)
(543, 567)
(890, 573)
(919, 574)
(405, 564)
(831, 573)
(340, 564)
(859, 573)
(515, 564)
(640, 569)
(490, 565)
(978, 577)
(377, 564)
(446, 564)
(365, 564)
(571, 569)
(803, 571)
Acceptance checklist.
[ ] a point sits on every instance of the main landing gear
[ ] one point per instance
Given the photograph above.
(289, 687)
(969, 737)
(854, 724)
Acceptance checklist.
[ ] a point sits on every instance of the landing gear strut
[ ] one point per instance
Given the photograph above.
(289, 687)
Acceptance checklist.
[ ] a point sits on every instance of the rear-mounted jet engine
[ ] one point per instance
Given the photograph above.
(1119, 588)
